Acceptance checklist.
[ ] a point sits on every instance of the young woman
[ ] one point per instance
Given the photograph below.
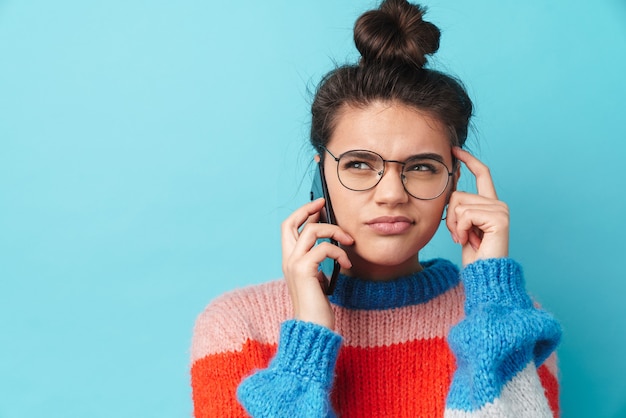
(399, 336)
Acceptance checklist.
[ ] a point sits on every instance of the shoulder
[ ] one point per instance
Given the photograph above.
(249, 313)
(246, 299)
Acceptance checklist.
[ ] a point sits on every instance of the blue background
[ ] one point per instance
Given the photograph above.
(150, 149)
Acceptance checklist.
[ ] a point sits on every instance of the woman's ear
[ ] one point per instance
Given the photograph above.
(317, 158)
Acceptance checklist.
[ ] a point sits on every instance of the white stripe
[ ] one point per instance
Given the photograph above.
(522, 397)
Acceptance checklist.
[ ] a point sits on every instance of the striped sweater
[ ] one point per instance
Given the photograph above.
(432, 344)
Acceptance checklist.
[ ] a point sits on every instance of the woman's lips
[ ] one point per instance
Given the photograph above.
(390, 225)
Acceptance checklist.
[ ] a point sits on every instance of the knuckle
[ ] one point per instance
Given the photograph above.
(329, 249)
(286, 224)
(306, 228)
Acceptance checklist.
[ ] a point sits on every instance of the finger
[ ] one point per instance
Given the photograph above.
(462, 198)
(315, 231)
(475, 237)
(307, 264)
(328, 250)
(484, 182)
(290, 228)
(313, 219)
(298, 217)
(483, 218)
(461, 201)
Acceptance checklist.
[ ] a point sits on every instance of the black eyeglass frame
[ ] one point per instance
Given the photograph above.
(402, 163)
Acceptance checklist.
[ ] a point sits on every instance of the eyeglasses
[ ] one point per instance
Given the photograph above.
(423, 177)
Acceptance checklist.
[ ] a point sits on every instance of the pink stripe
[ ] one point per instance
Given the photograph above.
(254, 312)
(551, 364)
(400, 325)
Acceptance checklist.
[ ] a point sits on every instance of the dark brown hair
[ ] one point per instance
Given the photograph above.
(393, 41)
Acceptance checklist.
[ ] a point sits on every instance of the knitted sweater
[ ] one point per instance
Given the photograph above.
(432, 344)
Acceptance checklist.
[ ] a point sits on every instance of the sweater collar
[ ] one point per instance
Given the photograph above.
(438, 276)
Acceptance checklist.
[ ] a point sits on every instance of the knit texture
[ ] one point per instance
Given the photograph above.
(431, 344)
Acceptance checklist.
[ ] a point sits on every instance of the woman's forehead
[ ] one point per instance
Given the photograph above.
(388, 128)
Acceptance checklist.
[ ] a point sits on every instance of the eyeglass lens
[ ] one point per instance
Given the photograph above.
(423, 178)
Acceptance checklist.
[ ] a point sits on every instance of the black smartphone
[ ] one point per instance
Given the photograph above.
(329, 266)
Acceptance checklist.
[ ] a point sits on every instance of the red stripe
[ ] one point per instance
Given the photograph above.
(551, 387)
(214, 379)
(390, 381)
(378, 381)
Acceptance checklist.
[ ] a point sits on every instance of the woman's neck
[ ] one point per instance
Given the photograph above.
(366, 270)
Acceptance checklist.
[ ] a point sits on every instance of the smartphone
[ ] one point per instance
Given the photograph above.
(329, 266)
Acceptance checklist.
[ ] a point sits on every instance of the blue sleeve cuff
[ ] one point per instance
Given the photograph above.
(495, 281)
(307, 350)
(501, 334)
(297, 381)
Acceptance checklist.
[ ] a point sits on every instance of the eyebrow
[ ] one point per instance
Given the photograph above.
(430, 155)
(361, 152)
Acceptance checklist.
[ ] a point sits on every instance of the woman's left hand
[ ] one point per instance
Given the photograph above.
(479, 222)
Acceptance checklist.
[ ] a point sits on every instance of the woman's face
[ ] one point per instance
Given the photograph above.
(389, 227)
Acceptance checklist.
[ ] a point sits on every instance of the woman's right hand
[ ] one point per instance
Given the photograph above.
(301, 259)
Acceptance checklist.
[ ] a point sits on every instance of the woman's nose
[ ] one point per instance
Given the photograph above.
(390, 189)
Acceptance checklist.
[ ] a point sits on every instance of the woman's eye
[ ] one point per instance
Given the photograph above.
(422, 167)
(357, 165)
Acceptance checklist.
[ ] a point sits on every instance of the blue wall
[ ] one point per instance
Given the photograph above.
(150, 149)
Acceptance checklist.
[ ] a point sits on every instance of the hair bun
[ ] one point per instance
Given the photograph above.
(395, 32)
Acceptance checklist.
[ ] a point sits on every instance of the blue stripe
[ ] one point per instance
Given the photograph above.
(436, 278)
